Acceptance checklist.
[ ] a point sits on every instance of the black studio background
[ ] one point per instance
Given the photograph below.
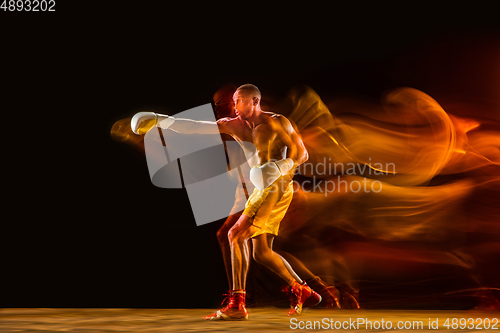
(83, 226)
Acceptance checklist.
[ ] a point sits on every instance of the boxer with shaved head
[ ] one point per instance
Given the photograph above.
(279, 151)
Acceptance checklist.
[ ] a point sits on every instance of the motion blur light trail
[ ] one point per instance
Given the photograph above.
(409, 129)
(424, 229)
(430, 237)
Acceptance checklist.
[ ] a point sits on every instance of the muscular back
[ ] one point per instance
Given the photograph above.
(274, 138)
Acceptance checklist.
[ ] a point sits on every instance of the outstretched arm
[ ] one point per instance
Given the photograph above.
(143, 121)
(189, 126)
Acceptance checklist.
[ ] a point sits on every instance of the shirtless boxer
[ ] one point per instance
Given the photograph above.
(279, 151)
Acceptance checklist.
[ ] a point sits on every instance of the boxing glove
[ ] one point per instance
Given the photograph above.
(262, 176)
(142, 122)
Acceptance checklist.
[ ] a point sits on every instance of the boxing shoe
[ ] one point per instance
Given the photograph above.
(331, 295)
(301, 297)
(235, 308)
(340, 297)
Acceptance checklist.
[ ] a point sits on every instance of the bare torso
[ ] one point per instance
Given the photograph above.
(265, 136)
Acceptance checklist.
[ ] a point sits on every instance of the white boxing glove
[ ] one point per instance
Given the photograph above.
(263, 176)
(140, 118)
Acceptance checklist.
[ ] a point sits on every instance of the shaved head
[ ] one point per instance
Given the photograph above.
(249, 90)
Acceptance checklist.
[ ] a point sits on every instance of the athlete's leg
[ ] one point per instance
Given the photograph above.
(270, 240)
(299, 265)
(264, 255)
(301, 295)
(238, 240)
(242, 230)
(222, 238)
(240, 254)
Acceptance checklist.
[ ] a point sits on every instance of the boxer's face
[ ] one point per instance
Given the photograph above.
(244, 106)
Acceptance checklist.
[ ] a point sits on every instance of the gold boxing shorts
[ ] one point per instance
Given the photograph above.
(267, 207)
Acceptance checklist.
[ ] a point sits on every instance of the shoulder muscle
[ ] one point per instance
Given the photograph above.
(225, 124)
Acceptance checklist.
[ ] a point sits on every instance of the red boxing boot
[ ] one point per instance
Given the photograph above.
(331, 295)
(234, 310)
(301, 297)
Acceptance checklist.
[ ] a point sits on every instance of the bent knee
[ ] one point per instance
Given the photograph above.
(235, 237)
(222, 235)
